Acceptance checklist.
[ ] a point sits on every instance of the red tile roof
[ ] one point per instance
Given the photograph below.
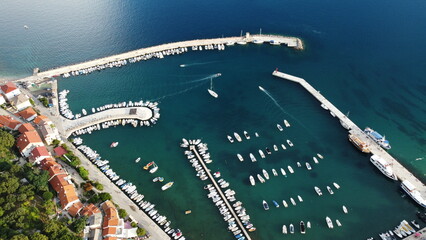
(26, 127)
(56, 169)
(8, 87)
(27, 138)
(59, 151)
(40, 151)
(58, 182)
(45, 164)
(110, 238)
(67, 195)
(89, 210)
(40, 119)
(75, 208)
(27, 113)
(9, 122)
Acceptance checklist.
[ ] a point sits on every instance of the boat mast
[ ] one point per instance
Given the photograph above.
(260, 32)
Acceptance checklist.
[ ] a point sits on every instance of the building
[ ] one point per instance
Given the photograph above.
(2, 100)
(27, 142)
(10, 123)
(10, 90)
(93, 229)
(113, 227)
(41, 119)
(26, 127)
(20, 102)
(38, 154)
(49, 133)
(28, 114)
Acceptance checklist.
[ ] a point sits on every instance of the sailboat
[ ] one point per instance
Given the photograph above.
(210, 90)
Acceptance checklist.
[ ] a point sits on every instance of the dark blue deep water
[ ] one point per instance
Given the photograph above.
(367, 57)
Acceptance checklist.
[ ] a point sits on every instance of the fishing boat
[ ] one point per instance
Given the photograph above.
(318, 190)
(286, 123)
(291, 228)
(283, 172)
(275, 148)
(260, 178)
(315, 160)
(246, 135)
(137, 159)
(253, 159)
(265, 205)
(378, 138)
(302, 227)
(240, 157)
(337, 186)
(275, 203)
(284, 229)
(320, 156)
(330, 190)
(298, 164)
(279, 127)
(148, 165)
(268, 151)
(293, 202)
(290, 169)
(274, 172)
(285, 203)
(308, 224)
(237, 136)
(383, 166)
(154, 168)
(300, 198)
(338, 223)
(308, 166)
(283, 147)
(262, 155)
(329, 222)
(158, 179)
(230, 139)
(345, 210)
(265, 173)
(167, 186)
(290, 143)
(113, 144)
(252, 181)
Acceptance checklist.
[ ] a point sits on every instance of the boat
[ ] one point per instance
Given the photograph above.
(298, 164)
(252, 181)
(217, 174)
(240, 157)
(262, 155)
(275, 203)
(26, 27)
(154, 168)
(302, 227)
(256, 134)
(158, 179)
(137, 159)
(284, 229)
(268, 151)
(246, 135)
(290, 169)
(275, 43)
(265, 173)
(253, 159)
(330, 190)
(275, 148)
(338, 223)
(332, 114)
(345, 210)
(213, 93)
(148, 165)
(362, 146)
(308, 166)
(285, 203)
(324, 106)
(337, 186)
(167, 186)
(239, 139)
(378, 138)
(383, 166)
(291, 228)
(290, 143)
(293, 202)
(329, 222)
(415, 224)
(283, 147)
(308, 224)
(286, 123)
(279, 127)
(274, 172)
(230, 139)
(260, 178)
(300, 198)
(318, 190)
(320, 156)
(315, 160)
(411, 190)
(188, 212)
(283, 172)
(265, 205)
(113, 144)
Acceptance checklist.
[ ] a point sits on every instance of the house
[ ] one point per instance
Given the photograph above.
(10, 90)
(69, 199)
(38, 154)
(2, 100)
(27, 142)
(113, 227)
(26, 127)
(49, 133)
(28, 114)
(20, 102)
(41, 119)
(9, 122)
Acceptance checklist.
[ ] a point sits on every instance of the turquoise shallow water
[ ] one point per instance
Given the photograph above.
(366, 58)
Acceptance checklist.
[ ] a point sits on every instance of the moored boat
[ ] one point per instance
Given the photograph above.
(293, 202)
(298, 164)
(240, 157)
(315, 160)
(362, 146)
(274, 172)
(308, 166)
(283, 172)
(329, 222)
(279, 127)
(345, 210)
(411, 190)
(378, 138)
(154, 168)
(308, 224)
(265, 205)
(330, 190)
(320, 156)
(300, 198)
(291, 228)
(137, 159)
(290, 143)
(283, 147)
(302, 227)
(383, 166)
(318, 190)
(252, 181)
(113, 144)
(285, 203)
(231, 140)
(337, 186)
(284, 229)
(275, 203)
(246, 135)
(167, 186)
(260, 178)
(286, 123)
(265, 173)
(290, 169)
(275, 148)
(253, 159)
(237, 136)
(262, 155)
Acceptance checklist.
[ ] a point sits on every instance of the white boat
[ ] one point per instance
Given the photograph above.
(114, 144)
(320, 156)
(332, 114)
(241, 42)
(253, 159)
(285, 203)
(411, 190)
(286, 123)
(257, 41)
(283, 147)
(154, 169)
(290, 143)
(290, 169)
(324, 106)
(308, 166)
(256, 134)
(265, 205)
(213, 93)
(275, 148)
(300, 198)
(283, 172)
(262, 155)
(167, 186)
(308, 224)
(330, 190)
(274, 172)
(230, 139)
(279, 127)
(291, 228)
(338, 223)
(137, 159)
(240, 157)
(315, 160)
(261, 179)
(318, 190)
(246, 135)
(239, 139)
(383, 166)
(298, 164)
(284, 229)
(345, 210)
(252, 181)
(293, 202)
(329, 222)
(337, 186)
(230, 43)
(265, 173)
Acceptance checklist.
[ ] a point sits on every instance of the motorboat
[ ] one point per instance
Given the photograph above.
(318, 190)
(252, 181)
(240, 157)
(308, 166)
(253, 159)
(290, 169)
(274, 172)
(275, 148)
(284, 229)
(237, 136)
(246, 135)
(275, 203)
(231, 140)
(330, 190)
(302, 227)
(262, 155)
(315, 160)
(290, 143)
(338, 223)
(268, 151)
(345, 210)
(285, 203)
(154, 168)
(300, 198)
(320, 156)
(291, 228)
(298, 164)
(279, 127)
(113, 144)
(261, 179)
(283, 172)
(337, 186)
(329, 222)
(167, 186)
(265, 205)
(265, 173)
(293, 202)
(283, 147)
(286, 123)
(137, 159)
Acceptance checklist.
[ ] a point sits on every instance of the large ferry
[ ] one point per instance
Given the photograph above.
(411, 190)
(377, 138)
(383, 166)
(358, 143)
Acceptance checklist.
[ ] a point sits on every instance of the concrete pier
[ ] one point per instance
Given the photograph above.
(219, 190)
(400, 171)
(288, 41)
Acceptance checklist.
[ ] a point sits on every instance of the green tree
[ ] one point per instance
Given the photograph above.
(104, 196)
(83, 173)
(122, 213)
(141, 231)
(47, 195)
(19, 237)
(38, 236)
(99, 186)
(56, 142)
(6, 139)
(79, 224)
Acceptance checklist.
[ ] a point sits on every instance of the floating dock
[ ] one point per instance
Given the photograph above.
(400, 171)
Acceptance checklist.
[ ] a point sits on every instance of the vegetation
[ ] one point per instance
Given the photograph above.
(122, 213)
(56, 142)
(44, 101)
(7, 141)
(83, 173)
(32, 101)
(141, 231)
(99, 186)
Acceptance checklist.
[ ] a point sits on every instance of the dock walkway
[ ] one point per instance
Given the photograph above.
(219, 190)
(400, 171)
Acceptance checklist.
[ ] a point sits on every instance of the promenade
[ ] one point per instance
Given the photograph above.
(400, 171)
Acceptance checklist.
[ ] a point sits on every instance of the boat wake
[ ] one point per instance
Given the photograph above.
(195, 64)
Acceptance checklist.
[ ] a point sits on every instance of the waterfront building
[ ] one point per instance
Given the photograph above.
(49, 133)
(41, 119)
(27, 142)
(20, 102)
(113, 226)
(28, 114)
(26, 127)
(10, 90)
(10, 123)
